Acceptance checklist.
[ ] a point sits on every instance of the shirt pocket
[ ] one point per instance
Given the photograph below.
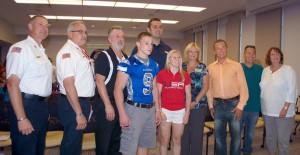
(39, 67)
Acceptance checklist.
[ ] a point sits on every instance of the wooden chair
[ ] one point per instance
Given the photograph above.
(211, 126)
(297, 116)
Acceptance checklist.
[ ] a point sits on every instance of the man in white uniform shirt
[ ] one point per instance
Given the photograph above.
(29, 74)
(75, 76)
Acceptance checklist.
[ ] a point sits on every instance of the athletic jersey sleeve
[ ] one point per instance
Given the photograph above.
(125, 67)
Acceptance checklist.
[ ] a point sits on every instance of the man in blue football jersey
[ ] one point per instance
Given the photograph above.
(140, 114)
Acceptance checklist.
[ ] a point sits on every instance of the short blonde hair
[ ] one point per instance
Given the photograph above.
(188, 48)
(167, 65)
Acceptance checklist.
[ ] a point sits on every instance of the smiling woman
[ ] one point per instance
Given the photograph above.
(278, 97)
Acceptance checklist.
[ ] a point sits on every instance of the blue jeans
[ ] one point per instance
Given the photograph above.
(223, 115)
(249, 119)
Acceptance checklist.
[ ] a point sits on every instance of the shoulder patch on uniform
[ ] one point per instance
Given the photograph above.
(66, 55)
(17, 49)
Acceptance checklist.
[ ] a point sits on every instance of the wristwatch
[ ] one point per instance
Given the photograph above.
(285, 107)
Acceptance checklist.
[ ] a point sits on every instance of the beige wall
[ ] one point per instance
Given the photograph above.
(267, 32)
(210, 37)
(291, 38)
(233, 35)
(7, 33)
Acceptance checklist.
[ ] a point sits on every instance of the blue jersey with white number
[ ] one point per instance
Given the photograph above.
(140, 82)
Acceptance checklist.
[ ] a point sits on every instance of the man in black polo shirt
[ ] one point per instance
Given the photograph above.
(108, 129)
(160, 49)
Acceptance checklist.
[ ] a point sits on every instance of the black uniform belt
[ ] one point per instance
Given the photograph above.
(34, 97)
(81, 98)
(228, 99)
(140, 105)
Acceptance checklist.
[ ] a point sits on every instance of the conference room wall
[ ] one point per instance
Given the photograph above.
(291, 38)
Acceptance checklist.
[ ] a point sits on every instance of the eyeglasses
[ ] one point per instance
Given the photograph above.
(81, 31)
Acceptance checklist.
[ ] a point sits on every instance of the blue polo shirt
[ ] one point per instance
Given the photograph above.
(159, 53)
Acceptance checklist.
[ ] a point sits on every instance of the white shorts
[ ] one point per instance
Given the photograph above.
(174, 116)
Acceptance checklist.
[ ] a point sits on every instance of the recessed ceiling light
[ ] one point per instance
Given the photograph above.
(105, 19)
(188, 8)
(169, 21)
(33, 1)
(48, 17)
(66, 2)
(160, 7)
(119, 19)
(95, 18)
(140, 20)
(99, 3)
(130, 5)
(69, 17)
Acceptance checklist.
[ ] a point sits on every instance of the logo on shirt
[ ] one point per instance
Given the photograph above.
(66, 55)
(174, 85)
(16, 49)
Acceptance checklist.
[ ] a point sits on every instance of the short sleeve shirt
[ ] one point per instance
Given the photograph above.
(28, 61)
(70, 61)
(140, 83)
(173, 89)
(102, 67)
(197, 81)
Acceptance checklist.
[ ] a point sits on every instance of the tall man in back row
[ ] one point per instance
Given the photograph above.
(29, 74)
(227, 95)
(160, 49)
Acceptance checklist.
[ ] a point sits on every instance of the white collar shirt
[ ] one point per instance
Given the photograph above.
(28, 61)
(71, 62)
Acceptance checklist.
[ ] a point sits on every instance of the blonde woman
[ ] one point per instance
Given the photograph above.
(174, 87)
(193, 131)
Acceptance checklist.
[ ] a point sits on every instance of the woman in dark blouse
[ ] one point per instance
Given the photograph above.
(191, 143)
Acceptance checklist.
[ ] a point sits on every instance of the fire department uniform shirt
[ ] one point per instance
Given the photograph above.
(28, 61)
(173, 89)
(70, 61)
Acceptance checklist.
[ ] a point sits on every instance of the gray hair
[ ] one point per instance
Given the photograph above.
(115, 27)
(71, 25)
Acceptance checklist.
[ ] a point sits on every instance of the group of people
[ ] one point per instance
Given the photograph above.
(155, 86)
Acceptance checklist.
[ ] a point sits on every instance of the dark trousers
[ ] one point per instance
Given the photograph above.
(37, 113)
(107, 134)
(192, 138)
(71, 143)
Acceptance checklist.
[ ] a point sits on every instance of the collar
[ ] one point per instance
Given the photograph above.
(218, 63)
(34, 43)
(72, 43)
(169, 72)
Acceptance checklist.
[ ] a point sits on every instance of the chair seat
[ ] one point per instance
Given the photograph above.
(260, 123)
(7, 142)
(211, 125)
(297, 117)
(88, 142)
(53, 138)
(205, 130)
